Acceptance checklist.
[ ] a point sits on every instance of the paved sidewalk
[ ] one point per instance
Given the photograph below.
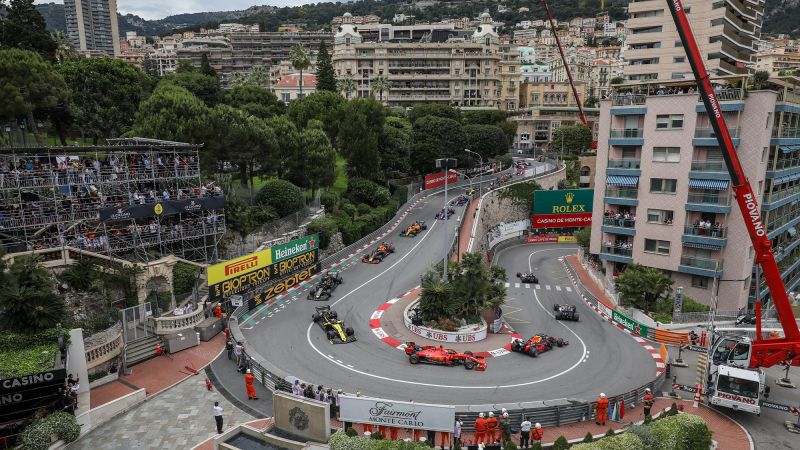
(588, 282)
(466, 228)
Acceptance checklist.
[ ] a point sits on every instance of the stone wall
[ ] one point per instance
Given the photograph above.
(495, 209)
(233, 245)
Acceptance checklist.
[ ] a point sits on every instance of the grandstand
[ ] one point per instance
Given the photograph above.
(134, 198)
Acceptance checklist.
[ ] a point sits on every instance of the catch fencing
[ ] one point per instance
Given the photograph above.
(548, 413)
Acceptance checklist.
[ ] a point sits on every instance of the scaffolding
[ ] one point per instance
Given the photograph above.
(134, 198)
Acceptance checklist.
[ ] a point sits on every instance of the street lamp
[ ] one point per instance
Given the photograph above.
(446, 164)
(480, 180)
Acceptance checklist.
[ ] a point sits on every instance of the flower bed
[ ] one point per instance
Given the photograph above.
(679, 432)
(39, 435)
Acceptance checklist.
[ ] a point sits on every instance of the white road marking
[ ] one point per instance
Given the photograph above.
(516, 285)
(547, 287)
(508, 284)
(527, 286)
(558, 288)
(339, 361)
(538, 286)
(569, 289)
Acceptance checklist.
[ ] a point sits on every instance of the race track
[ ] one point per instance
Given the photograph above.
(600, 358)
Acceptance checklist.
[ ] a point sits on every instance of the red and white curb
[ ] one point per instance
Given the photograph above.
(377, 330)
(659, 361)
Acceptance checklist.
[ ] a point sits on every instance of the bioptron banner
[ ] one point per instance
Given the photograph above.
(377, 411)
(433, 180)
(562, 209)
(269, 272)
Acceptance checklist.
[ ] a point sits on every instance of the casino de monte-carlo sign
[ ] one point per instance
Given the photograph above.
(392, 413)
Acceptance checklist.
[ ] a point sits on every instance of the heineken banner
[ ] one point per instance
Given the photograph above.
(266, 272)
(562, 209)
(163, 208)
(629, 324)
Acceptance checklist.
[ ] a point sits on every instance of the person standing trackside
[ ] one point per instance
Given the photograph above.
(491, 426)
(457, 431)
(248, 382)
(480, 429)
(648, 402)
(524, 433)
(229, 348)
(237, 350)
(218, 416)
(537, 434)
(602, 409)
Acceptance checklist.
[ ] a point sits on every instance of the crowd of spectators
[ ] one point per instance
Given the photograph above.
(621, 218)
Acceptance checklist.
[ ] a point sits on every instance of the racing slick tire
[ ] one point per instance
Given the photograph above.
(575, 317)
(533, 352)
(331, 335)
(325, 296)
(334, 315)
(413, 358)
(349, 331)
(468, 352)
(315, 317)
(515, 347)
(310, 296)
(469, 364)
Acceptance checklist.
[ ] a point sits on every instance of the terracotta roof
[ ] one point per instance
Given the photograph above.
(293, 80)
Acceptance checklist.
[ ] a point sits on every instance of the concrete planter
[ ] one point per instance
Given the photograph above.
(469, 333)
(105, 380)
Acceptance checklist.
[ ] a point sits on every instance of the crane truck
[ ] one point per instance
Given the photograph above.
(736, 363)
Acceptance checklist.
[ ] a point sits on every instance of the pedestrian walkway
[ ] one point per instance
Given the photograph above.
(177, 418)
(588, 282)
(157, 374)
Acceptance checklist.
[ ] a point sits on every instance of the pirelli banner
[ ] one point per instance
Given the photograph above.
(265, 273)
(562, 209)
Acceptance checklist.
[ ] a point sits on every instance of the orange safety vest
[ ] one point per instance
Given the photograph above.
(491, 422)
(648, 400)
(480, 425)
(537, 434)
(248, 379)
(602, 404)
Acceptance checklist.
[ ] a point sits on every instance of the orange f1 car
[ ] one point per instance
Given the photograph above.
(415, 229)
(378, 254)
(443, 356)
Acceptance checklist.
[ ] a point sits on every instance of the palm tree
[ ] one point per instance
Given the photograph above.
(299, 57)
(380, 84)
(346, 85)
(64, 49)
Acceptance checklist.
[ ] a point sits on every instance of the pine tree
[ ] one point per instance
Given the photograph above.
(205, 66)
(25, 28)
(326, 80)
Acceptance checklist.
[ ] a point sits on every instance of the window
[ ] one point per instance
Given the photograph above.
(524, 137)
(645, 45)
(699, 282)
(769, 117)
(285, 98)
(716, 22)
(661, 216)
(656, 29)
(677, 75)
(669, 121)
(678, 43)
(764, 154)
(664, 185)
(656, 246)
(679, 59)
(628, 152)
(667, 154)
(458, 71)
(653, 13)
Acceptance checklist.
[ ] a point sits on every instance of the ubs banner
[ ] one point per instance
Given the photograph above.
(397, 414)
(562, 209)
(267, 272)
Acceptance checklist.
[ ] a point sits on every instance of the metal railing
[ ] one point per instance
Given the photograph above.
(628, 99)
(624, 164)
(709, 166)
(709, 199)
(702, 263)
(709, 132)
(627, 133)
(712, 232)
(620, 251)
(622, 193)
(786, 132)
(624, 223)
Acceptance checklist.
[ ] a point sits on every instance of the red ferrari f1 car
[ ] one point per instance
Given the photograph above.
(443, 356)
(539, 343)
(378, 254)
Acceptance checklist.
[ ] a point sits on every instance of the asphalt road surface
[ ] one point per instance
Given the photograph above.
(600, 358)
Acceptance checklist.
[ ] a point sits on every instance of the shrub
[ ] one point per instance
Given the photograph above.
(645, 435)
(505, 160)
(376, 435)
(446, 324)
(329, 199)
(610, 433)
(282, 195)
(360, 190)
(561, 443)
(363, 208)
(624, 441)
(588, 437)
(673, 410)
(681, 432)
(536, 446)
(400, 194)
(183, 277)
(510, 446)
(350, 432)
(37, 435)
(350, 209)
(326, 227)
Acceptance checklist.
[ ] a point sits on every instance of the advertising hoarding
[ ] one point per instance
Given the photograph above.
(562, 208)
(394, 413)
(433, 180)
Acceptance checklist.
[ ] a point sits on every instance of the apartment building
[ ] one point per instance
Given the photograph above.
(725, 30)
(658, 161)
(474, 72)
(92, 25)
(778, 60)
(544, 107)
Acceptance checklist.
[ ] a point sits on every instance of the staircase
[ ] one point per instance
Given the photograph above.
(140, 350)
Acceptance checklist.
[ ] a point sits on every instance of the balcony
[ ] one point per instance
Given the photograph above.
(705, 137)
(709, 166)
(701, 266)
(704, 202)
(624, 167)
(616, 254)
(628, 99)
(626, 136)
(619, 226)
(707, 238)
(622, 196)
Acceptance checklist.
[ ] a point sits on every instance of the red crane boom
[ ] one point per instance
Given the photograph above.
(566, 65)
(765, 352)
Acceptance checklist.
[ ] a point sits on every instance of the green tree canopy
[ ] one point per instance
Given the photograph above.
(24, 28)
(487, 140)
(395, 147)
(204, 87)
(435, 110)
(321, 105)
(288, 138)
(256, 101)
(173, 113)
(283, 196)
(244, 140)
(315, 166)
(326, 78)
(484, 116)
(28, 302)
(643, 287)
(575, 139)
(300, 59)
(105, 94)
(205, 67)
(444, 134)
(359, 134)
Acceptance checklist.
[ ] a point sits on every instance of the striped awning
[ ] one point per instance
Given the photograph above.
(620, 180)
(702, 245)
(717, 185)
(789, 148)
(787, 178)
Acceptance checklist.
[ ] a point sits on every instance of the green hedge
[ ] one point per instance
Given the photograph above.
(14, 341)
(625, 441)
(680, 432)
(39, 358)
(37, 435)
(341, 441)
(326, 227)
(183, 278)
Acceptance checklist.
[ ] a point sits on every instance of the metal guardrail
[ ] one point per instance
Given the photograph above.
(548, 413)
